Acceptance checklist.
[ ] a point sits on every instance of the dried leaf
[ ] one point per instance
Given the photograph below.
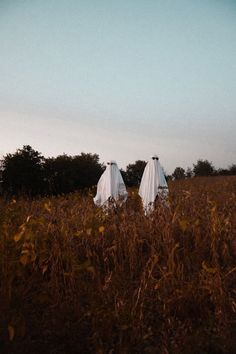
(11, 332)
(208, 269)
(89, 231)
(79, 233)
(47, 206)
(17, 237)
(24, 259)
(44, 269)
(183, 224)
(101, 229)
(28, 218)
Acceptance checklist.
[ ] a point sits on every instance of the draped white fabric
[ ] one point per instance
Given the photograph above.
(110, 186)
(153, 184)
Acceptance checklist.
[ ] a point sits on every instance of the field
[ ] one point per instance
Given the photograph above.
(76, 280)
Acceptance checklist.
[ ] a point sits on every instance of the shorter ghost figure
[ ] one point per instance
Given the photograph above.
(111, 188)
(153, 185)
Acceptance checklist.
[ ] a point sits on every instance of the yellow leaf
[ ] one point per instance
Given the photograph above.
(47, 207)
(84, 266)
(18, 236)
(33, 257)
(78, 233)
(25, 252)
(45, 268)
(11, 332)
(88, 232)
(101, 229)
(183, 224)
(208, 269)
(197, 222)
(28, 218)
(24, 259)
(213, 209)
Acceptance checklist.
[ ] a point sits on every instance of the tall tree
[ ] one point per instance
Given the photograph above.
(66, 174)
(203, 168)
(134, 172)
(179, 173)
(1, 171)
(59, 174)
(87, 170)
(232, 169)
(23, 172)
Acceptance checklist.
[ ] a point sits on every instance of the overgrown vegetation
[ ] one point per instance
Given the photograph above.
(76, 280)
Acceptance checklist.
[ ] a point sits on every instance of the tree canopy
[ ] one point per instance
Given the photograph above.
(203, 168)
(134, 172)
(179, 173)
(22, 172)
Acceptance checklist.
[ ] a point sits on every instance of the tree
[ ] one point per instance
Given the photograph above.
(87, 170)
(66, 174)
(179, 173)
(59, 174)
(23, 172)
(134, 172)
(203, 168)
(232, 169)
(189, 173)
(1, 171)
(222, 172)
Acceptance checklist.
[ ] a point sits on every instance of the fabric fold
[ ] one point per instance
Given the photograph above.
(111, 187)
(153, 184)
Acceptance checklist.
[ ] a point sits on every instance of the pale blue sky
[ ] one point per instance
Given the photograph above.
(124, 79)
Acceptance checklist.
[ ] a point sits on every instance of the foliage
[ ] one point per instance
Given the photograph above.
(65, 174)
(27, 172)
(23, 172)
(134, 173)
(74, 279)
(203, 168)
(179, 173)
(231, 171)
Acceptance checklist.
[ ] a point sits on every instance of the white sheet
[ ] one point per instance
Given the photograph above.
(111, 186)
(153, 184)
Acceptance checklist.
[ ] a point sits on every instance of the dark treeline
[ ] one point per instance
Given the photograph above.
(27, 172)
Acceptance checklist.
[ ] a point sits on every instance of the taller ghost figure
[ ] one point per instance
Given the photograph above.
(111, 187)
(153, 184)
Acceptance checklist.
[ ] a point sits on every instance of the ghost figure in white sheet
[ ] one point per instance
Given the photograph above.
(153, 184)
(111, 187)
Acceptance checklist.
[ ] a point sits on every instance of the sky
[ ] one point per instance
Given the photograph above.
(125, 79)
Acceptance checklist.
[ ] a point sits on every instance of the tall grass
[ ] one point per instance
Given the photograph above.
(74, 279)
